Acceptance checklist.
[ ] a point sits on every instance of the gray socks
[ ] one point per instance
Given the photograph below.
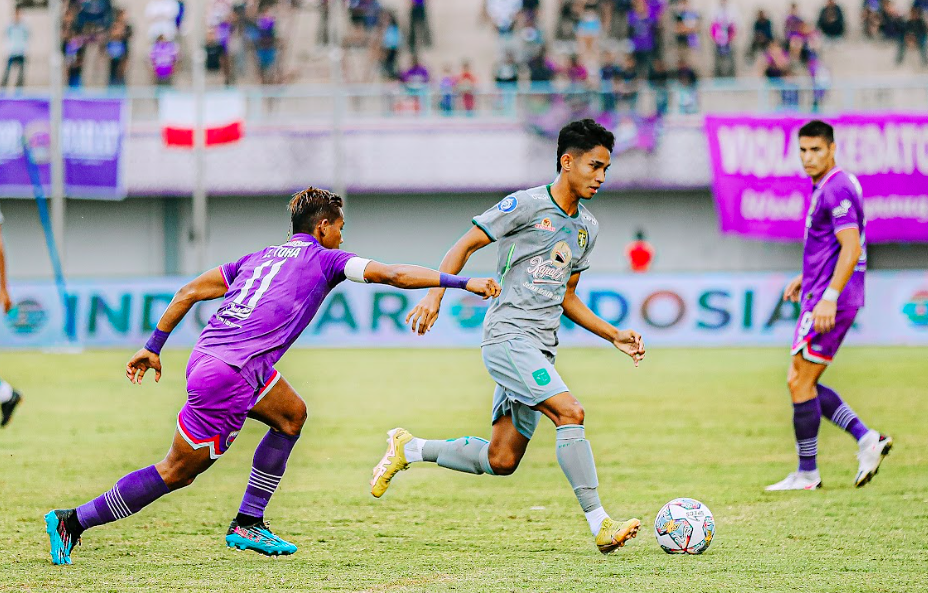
(575, 457)
(466, 454)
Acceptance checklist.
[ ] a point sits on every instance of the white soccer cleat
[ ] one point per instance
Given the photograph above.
(873, 447)
(797, 481)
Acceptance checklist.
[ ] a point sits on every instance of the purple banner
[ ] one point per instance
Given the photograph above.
(92, 136)
(762, 191)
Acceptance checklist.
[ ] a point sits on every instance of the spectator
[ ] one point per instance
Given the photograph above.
(390, 42)
(417, 76)
(503, 13)
(74, 58)
(506, 73)
(217, 57)
(162, 18)
(659, 79)
(688, 81)
(117, 48)
(541, 71)
(236, 44)
(163, 60)
(17, 41)
(914, 32)
(794, 25)
(322, 33)
(723, 33)
(870, 17)
(640, 253)
(567, 21)
(530, 37)
(609, 74)
(643, 29)
(530, 10)
(627, 87)
(777, 67)
(891, 21)
(686, 26)
(466, 86)
(588, 28)
(831, 20)
(266, 46)
(762, 34)
(419, 31)
(94, 16)
(446, 91)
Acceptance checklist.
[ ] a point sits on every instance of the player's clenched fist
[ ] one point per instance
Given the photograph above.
(485, 287)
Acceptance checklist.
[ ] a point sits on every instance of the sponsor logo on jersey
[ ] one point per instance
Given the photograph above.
(545, 225)
(231, 438)
(589, 218)
(553, 270)
(841, 209)
(508, 204)
(541, 377)
(582, 237)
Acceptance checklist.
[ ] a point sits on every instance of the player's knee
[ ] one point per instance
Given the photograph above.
(177, 475)
(293, 422)
(572, 414)
(504, 463)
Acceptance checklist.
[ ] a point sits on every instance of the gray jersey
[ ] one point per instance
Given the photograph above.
(540, 246)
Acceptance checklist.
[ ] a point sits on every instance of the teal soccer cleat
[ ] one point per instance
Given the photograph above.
(257, 537)
(61, 538)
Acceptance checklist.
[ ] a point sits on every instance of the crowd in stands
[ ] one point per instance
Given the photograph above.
(616, 48)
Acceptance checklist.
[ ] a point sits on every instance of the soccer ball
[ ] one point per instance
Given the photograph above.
(684, 526)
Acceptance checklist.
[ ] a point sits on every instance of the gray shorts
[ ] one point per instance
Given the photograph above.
(525, 377)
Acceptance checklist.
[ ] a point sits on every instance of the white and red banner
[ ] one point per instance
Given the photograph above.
(223, 118)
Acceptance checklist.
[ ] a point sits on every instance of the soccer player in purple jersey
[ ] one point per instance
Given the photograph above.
(269, 298)
(830, 290)
(9, 397)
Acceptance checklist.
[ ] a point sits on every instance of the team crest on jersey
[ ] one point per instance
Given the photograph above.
(545, 225)
(231, 438)
(582, 237)
(508, 204)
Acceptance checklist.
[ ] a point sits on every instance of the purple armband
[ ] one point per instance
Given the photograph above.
(156, 342)
(452, 281)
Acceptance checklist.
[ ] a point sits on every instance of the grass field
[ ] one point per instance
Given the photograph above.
(711, 424)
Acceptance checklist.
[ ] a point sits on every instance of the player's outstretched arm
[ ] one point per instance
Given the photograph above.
(628, 341)
(5, 302)
(824, 312)
(409, 277)
(424, 315)
(207, 286)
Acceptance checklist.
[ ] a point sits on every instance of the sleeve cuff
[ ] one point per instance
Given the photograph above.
(484, 229)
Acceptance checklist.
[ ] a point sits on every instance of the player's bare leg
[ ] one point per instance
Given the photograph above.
(131, 494)
(284, 411)
(500, 456)
(575, 457)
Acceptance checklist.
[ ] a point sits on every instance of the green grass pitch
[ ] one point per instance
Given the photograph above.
(711, 424)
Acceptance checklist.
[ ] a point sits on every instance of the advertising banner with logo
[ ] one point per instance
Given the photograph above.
(669, 310)
(92, 138)
(762, 191)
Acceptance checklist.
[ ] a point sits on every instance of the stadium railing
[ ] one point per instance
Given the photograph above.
(315, 104)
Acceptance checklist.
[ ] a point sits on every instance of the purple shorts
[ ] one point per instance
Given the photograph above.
(218, 401)
(816, 347)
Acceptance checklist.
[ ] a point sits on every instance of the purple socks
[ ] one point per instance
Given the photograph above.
(834, 408)
(267, 469)
(131, 494)
(807, 417)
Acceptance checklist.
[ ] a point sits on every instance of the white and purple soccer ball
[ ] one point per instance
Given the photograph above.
(684, 526)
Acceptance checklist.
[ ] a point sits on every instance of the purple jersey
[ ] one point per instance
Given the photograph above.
(837, 204)
(273, 295)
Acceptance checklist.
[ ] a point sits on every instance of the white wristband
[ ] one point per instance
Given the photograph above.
(831, 295)
(354, 269)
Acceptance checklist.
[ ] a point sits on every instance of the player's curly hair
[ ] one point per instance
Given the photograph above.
(312, 205)
(583, 135)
